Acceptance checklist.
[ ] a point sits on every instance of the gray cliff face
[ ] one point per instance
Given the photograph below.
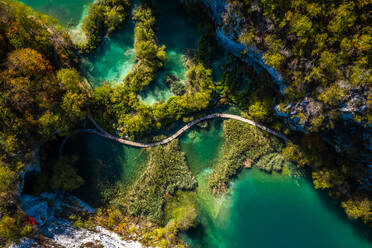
(229, 27)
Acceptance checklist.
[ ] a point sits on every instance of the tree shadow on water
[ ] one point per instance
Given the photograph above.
(358, 227)
(100, 164)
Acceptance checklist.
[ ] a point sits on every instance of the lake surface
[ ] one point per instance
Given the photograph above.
(113, 59)
(178, 32)
(103, 164)
(262, 210)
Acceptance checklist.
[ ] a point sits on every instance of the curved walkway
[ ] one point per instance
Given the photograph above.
(101, 132)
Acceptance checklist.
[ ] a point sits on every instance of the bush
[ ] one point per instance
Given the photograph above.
(182, 210)
(104, 17)
(272, 162)
(177, 87)
(293, 152)
(7, 178)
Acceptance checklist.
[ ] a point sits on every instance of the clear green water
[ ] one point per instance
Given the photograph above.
(178, 32)
(68, 12)
(202, 146)
(262, 210)
(113, 60)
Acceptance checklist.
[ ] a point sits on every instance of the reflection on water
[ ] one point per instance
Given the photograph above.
(103, 164)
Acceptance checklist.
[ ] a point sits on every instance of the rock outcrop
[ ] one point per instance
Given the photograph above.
(51, 212)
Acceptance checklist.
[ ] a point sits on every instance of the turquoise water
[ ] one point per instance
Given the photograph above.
(262, 210)
(68, 12)
(113, 60)
(274, 211)
(178, 32)
(202, 146)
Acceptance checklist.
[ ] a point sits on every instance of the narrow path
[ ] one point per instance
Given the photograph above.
(101, 132)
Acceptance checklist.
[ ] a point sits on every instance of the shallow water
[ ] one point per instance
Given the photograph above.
(274, 211)
(202, 146)
(68, 12)
(264, 210)
(178, 32)
(113, 60)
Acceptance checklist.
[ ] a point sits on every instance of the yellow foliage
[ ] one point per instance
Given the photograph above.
(361, 208)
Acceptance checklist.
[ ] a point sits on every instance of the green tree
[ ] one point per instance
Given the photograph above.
(293, 153)
(260, 108)
(70, 79)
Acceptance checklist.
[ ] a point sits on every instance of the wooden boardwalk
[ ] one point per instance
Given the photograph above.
(101, 132)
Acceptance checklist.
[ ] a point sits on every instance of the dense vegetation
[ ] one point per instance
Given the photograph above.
(121, 106)
(41, 97)
(149, 54)
(104, 17)
(166, 172)
(323, 50)
(251, 90)
(244, 144)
